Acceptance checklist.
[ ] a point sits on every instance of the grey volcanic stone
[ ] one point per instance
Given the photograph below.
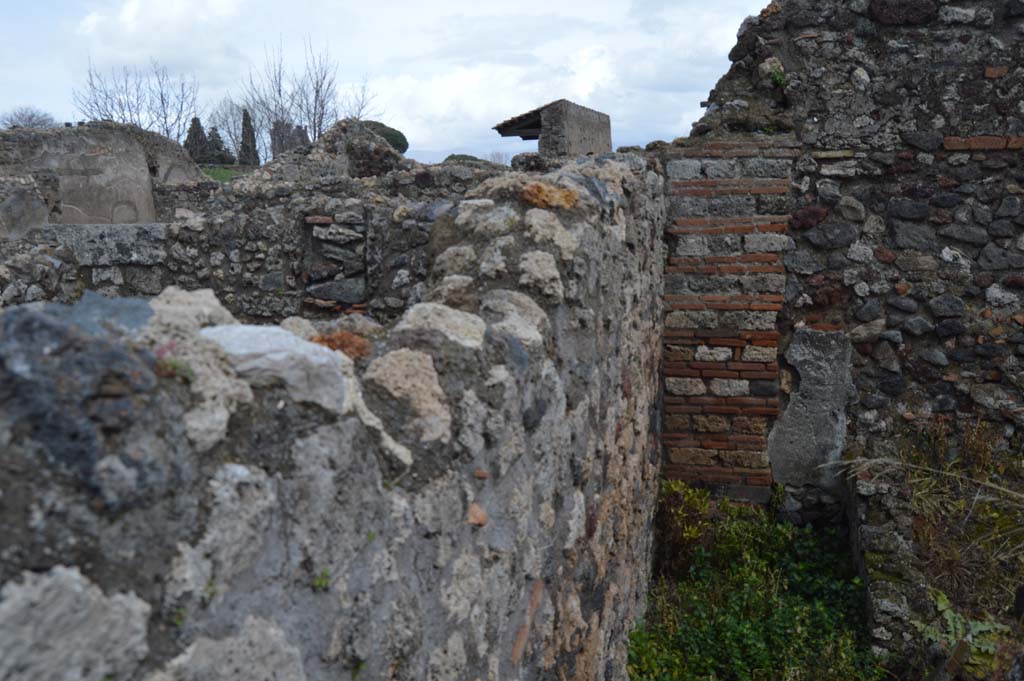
(97, 315)
(68, 391)
(993, 258)
(893, 336)
(345, 291)
(868, 333)
(812, 430)
(802, 262)
(908, 209)
(935, 357)
(967, 233)
(949, 328)
(59, 625)
(946, 305)
(870, 310)
(904, 12)
(260, 651)
(833, 235)
(925, 140)
(914, 236)
(1002, 229)
(1010, 207)
(104, 245)
(918, 326)
(903, 303)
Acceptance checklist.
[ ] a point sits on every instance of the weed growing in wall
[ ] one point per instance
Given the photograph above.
(749, 599)
(967, 513)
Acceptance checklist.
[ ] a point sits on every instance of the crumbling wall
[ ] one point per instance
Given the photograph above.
(94, 173)
(902, 301)
(343, 223)
(467, 495)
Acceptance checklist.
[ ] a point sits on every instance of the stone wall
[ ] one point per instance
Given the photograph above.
(466, 495)
(298, 236)
(901, 305)
(568, 129)
(94, 173)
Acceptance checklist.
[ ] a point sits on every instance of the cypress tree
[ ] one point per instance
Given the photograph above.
(247, 153)
(216, 152)
(196, 142)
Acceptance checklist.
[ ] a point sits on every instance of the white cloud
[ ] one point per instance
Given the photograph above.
(445, 71)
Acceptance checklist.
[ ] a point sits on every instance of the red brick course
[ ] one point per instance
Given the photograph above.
(707, 438)
(979, 143)
(757, 224)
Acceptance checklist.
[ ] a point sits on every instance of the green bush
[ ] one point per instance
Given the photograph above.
(461, 157)
(756, 600)
(394, 137)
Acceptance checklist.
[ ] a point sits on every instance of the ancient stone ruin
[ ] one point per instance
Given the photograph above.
(563, 129)
(215, 467)
(98, 173)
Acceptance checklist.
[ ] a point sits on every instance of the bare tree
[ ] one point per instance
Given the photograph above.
(120, 95)
(27, 117)
(316, 92)
(500, 157)
(269, 97)
(172, 101)
(226, 116)
(279, 99)
(150, 98)
(360, 102)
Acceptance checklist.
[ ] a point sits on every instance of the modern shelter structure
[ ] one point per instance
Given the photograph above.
(562, 128)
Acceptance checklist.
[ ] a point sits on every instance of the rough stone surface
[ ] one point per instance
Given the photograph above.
(929, 292)
(59, 625)
(811, 433)
(445, 506)
(95, 173)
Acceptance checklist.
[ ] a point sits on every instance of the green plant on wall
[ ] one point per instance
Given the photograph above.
(983, 637)
(779, 79)
(322, 582)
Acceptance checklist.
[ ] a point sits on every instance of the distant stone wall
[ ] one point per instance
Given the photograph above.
(468, 496)
(290, 238)
(568, 129)
(94, 173)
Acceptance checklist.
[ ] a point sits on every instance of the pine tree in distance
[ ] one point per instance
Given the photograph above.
(196, 143)
(216, 152)
(247, 153)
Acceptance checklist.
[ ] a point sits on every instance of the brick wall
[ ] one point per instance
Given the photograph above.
(724, 287)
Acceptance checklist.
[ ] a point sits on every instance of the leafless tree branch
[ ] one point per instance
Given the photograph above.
(27, 117)
(150, 98)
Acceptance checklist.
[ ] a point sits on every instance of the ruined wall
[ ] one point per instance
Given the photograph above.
(186, 497)
(569, 129)
(344, 223)
(724, 287)
(94, 173)
(903, 251)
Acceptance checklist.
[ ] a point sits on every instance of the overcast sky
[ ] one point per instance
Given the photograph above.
(445, 71)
